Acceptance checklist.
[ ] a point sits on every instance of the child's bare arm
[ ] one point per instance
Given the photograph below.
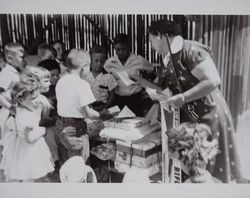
(110, 99)
(90, 113)
(4, 102)
(93, 114)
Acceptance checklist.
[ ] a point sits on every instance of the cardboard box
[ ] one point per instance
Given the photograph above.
(147, 146)
(140, 162)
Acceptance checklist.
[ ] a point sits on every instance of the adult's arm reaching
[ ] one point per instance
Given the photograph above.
(209, 79)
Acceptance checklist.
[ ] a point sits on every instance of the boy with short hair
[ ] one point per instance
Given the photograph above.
(101, 82)
(74, 96)
(15, 61)
(45, 52)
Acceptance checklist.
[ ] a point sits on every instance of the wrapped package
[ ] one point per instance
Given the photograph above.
(141, 154)
(130, 135)
(126, 123)
(123, 168)
(140, 162)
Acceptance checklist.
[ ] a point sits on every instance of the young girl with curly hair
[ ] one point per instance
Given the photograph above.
(26, 156)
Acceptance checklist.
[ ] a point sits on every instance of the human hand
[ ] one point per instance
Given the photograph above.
(105, 115)
(157, 95)
(76, 143)
(165, 105)
(176, 101)
(27, 131)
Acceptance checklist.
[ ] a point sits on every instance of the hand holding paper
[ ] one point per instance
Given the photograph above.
(155, 94)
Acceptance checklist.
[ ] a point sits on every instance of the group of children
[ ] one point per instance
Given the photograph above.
(44, 107)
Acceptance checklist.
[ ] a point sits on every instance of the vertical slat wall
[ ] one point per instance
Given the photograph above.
(80, 31)
(227, 35)
(229, 38)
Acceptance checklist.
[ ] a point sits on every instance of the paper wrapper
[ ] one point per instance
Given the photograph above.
(131, 135)
(123, 168)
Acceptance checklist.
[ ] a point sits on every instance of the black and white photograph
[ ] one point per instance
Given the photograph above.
(124, 98)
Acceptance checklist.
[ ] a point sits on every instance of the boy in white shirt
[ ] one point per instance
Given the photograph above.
(15, 62)
(73, 98)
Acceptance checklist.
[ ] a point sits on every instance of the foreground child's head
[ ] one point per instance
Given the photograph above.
(76, 171)
(42, 74)
(98, 57)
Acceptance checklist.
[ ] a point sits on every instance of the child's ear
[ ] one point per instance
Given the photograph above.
(9, 58)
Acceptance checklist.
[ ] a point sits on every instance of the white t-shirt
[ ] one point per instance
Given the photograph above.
(72, 94)
(8, 77)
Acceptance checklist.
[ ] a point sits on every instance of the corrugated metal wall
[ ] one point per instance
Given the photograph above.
(227, 35)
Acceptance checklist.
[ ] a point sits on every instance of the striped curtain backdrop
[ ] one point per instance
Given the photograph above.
(227, 35)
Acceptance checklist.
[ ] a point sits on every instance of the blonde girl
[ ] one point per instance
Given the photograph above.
(26, 156)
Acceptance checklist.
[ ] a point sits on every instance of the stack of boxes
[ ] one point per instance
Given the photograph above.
(138, 144)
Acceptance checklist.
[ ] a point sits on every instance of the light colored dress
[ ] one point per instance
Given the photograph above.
(23, 160)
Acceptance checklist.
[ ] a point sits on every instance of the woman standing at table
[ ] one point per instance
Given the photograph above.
(190, 73)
